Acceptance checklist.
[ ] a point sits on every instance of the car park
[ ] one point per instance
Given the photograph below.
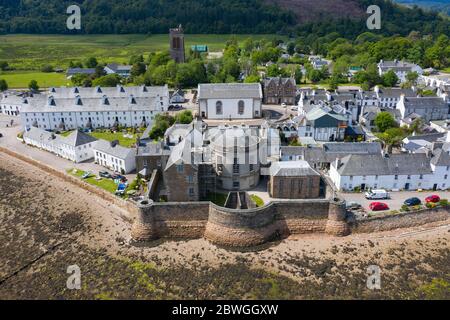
(352, 205)
(433, 199)
(105, 174)
(378, 206)
(377, 194)
(86, 175)
(412, 201)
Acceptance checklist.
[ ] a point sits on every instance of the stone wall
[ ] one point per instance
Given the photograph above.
(234, 227)
(402, 220)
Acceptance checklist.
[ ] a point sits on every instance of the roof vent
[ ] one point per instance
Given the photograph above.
(114, 143)
(51, 101)
(105, 100)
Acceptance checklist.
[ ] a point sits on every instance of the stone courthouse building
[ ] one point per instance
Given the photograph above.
(293, 180)
(280, 90)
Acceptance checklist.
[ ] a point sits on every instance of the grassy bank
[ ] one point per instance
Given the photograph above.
(21, 79)
(31, 52)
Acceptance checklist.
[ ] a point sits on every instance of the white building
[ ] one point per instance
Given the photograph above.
(76, 147)
(394, 172)
(11, 104)
(401, 68)
(225, 101)
(71, 108)
(114, 157)
(428, 108)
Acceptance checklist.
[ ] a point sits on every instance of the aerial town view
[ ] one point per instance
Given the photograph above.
(225, 150)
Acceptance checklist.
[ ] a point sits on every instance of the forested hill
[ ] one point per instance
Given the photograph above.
(346, 17)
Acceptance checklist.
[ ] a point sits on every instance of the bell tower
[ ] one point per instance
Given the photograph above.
(177, 44)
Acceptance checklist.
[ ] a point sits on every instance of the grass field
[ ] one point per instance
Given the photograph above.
(108, 136)
(31, 52)
(21, 79)
(106, 184)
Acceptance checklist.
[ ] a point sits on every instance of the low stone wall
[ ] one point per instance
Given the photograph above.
(401, 220)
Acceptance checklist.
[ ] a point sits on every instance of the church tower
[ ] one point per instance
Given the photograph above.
(177, 44)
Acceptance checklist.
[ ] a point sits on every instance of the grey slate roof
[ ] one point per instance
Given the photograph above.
(229, 91)
(440, 158)
(428, 102)
(73, 71)
(292, 169)
(117, 151)
(396, 92)
(78, 138)
(395, 164)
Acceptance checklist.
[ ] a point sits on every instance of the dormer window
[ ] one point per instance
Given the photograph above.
(144, 89)
(76, 90)
(78, 101)
(132, 99)
(121, 89)
(51, 101)
(53, 90)
(105, 100)
(99, 90)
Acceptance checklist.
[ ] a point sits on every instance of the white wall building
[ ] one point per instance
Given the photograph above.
(114, 157)
(76, 147)
(11, 104)
(225, 101)
(71, 108)
(401, 68)
(395, 172)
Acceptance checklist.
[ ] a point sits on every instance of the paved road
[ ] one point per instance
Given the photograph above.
(397, 198)
(10, 141)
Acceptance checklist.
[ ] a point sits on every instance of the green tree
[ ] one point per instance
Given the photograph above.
(4, 66)
(47, 69)
(33, 85)
(390, 79)
(391, 138)
(138, 69)
(184, 117)
(3, 85)
(253, 78)
(110, 80)
(91, 62)
(384, 121)
(412, 77)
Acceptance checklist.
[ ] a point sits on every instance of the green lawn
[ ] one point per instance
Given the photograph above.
(105, 184)
(217, 198)
(108, 136)
(259, 202)
(21, 79)
(31, 52)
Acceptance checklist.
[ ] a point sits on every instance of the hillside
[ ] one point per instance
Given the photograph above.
(436, 5)
(346, 17)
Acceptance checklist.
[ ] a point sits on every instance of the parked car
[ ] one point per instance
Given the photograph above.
(353, 205)
(378, 206)
(86, 175)
(105, 174)
(119, 177)
(1, 135)
(294, 108)
(412, 202)
(284, 105)
(377, 194)
(433, 198)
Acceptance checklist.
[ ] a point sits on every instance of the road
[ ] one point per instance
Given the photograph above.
(10, 141)
(397, 198)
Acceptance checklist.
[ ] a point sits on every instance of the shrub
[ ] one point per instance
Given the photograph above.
(405, 208)
(357, 189)
(430, 205)
(443, 202)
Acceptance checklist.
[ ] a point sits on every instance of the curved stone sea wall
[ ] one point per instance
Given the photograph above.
(237, 228)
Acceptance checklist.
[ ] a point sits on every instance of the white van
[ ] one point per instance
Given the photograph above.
(377, 194)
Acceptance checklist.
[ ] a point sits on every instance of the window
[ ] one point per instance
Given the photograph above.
(190, 179)
(236, 184)
(191, 192)
(351, 178)
(445, 177)
(219, 107)
(241, 107)
(396, 177)
(180, 168)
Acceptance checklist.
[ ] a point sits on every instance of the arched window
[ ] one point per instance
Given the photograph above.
(241, 107)
(219, 107)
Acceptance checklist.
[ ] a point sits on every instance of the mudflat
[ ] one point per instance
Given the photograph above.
(48, 224)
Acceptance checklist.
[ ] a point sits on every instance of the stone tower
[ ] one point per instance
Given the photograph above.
(177, 44)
